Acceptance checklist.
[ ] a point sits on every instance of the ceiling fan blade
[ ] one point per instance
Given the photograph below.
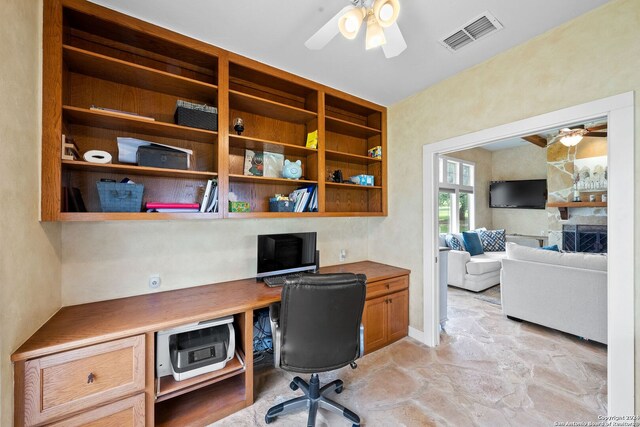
(597, 134)
(395, 44)
(327, 32)
(599, 127)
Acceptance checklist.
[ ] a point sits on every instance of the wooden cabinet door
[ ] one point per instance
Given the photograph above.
(374, 319)
(398, 315)
(123, 413)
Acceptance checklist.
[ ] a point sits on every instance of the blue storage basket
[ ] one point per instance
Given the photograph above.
(120, 197)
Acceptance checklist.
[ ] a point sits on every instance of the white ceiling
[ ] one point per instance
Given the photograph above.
(274, 32)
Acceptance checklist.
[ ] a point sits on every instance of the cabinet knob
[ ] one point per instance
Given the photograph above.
(387, 286)
(390, 300)
(90, 378)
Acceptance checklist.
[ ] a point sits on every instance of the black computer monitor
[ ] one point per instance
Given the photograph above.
(286, 253)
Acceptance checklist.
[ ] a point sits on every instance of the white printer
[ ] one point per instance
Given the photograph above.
(195, 349)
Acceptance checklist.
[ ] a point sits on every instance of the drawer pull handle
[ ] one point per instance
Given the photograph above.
(387, 286)
(90, 378)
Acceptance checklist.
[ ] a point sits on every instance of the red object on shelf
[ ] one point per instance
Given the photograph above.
(158, 205)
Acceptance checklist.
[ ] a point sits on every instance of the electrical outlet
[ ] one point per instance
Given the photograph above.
(154, 281)
(343, 255)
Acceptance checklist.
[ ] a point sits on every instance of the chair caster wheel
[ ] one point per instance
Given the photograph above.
(339, 390)
(268, 419)
(293, 386)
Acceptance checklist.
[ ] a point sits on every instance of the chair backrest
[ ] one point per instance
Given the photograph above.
(320, 318)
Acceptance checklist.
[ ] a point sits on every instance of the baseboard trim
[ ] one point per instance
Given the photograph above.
(416, 334)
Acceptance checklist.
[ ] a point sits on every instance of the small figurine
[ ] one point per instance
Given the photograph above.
(238, 125)
(292, 170)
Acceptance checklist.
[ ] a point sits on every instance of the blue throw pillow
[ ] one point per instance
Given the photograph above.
(454, 243)
(493, 240)
(472, 242)
(551, 248)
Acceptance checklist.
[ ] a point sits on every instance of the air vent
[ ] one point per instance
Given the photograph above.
(471, 31)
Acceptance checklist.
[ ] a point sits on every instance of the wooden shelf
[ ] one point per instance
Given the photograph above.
(269, 180)
(170, 388)
(351, 158)
(203, 407)
(116, 70)
(133, 216)
(563, 207)
(245, 142)
(86, 117)
(272, 214)
(264, 107)
(137, 170)
(577, 205)
(356, 186)
(334, 124)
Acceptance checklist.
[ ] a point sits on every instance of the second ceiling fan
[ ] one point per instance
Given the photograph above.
(380, 17)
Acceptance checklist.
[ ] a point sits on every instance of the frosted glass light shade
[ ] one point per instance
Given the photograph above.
(349, 23)
(571, 140)
(375, 35)
(386, 11)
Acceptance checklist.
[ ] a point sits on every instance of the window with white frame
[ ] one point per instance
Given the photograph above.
(456, 209)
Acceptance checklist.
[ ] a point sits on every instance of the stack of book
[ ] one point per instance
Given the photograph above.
(305, 198)
(209, 202)
(210, 198)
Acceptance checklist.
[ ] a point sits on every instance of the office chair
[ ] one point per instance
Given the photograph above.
(317, 328)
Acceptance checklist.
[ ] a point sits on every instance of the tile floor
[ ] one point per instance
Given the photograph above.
(488, 371)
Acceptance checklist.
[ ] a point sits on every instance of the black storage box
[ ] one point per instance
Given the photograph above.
(196, 115)
(160, 157)
(281, 205)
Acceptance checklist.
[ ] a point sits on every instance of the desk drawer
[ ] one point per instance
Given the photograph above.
(383, 287)
(76, 380)
(123, 413)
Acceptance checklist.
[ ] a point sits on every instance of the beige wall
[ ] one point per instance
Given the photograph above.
(30, 272)
(111, 260)
(526, 162)
(482, 159)
(553, 71)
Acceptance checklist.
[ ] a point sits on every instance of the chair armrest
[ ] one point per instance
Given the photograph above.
(361, 352)
(274, 318)
(457, 267)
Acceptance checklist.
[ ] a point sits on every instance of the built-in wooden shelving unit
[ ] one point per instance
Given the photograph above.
(97, 57)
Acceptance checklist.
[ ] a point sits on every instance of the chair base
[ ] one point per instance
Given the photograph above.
(314, 398)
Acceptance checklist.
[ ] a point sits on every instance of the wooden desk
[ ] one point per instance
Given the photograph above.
(72, 334)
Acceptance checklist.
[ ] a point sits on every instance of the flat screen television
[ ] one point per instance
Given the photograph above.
(525, 194)
(286, 253)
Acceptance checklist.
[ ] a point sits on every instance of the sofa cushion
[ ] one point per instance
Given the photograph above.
(454, 243)
(567, 259)
(481, 264)
(492, 240)
(472, 242)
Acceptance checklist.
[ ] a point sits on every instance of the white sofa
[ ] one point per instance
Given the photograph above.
(563, 291)
(474, 273)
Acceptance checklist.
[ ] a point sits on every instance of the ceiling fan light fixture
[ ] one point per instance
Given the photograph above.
(375, 35)
(572, 137)
(386, 11)
(350, 22)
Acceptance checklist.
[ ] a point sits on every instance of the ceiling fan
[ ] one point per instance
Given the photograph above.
(570, 137)
(382, 28)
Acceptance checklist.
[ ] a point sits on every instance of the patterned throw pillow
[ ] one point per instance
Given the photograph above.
(454, 243)
(493, 240)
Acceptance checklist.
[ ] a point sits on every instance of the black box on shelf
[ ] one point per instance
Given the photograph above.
(161, 157)
(196, 115)
(120, 197)
(281, 205)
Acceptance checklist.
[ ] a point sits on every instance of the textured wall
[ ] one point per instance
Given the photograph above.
(552, 71)
(110, 260)
(482, 159)
(526, 162)
(30, 269)
(562, 173)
